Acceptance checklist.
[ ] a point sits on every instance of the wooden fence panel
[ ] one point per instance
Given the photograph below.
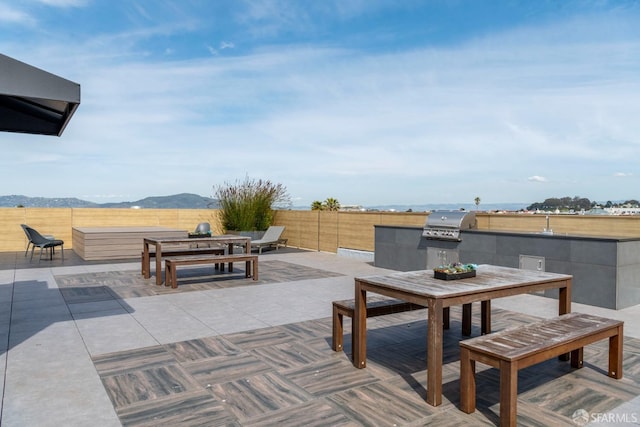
(328, 231)
(13, 238)
(301, 228)
(315, 230)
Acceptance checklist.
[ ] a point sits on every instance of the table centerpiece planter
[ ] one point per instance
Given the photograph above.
(455, 271)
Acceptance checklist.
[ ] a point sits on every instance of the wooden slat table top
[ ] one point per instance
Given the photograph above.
(488, 277)
(515, 343)
(226, 238)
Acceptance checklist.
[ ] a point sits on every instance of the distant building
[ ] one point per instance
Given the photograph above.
(623, 211)
(352, 208)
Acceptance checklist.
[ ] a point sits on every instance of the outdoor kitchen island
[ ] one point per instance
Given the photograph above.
(604, 269)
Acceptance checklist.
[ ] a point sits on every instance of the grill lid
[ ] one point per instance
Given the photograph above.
(446, 225)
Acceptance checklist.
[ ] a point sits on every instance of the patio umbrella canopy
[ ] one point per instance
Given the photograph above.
(33, 100)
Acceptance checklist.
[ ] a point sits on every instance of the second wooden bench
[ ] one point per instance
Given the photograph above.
(376, 306)
(181, 252)
(171, 263)
(514, 349)
(380, 306)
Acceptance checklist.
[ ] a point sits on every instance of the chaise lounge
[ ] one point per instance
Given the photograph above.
(271, 238)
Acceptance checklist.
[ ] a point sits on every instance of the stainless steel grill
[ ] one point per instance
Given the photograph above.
(446, 225)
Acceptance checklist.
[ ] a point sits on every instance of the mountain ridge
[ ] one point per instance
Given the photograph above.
(176, 201)
(194, 201)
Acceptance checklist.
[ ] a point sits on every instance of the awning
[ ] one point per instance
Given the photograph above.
(33, 100)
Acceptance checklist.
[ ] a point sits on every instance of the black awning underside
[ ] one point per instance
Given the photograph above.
(34, 101)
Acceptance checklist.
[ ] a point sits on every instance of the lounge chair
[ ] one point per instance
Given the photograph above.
(271, 238)
(29, 242)
(43, 242)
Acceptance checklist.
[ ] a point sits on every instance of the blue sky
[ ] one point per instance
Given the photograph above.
(370, 102)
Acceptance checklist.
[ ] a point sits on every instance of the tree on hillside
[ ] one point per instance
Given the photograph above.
(563, 204)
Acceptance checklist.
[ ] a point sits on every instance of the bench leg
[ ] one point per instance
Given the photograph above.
(467, 382)
(171, 276)
(255, 269)
(508, 393)
(168, 266)
(615, 354)
(174, 277)
(338, 330)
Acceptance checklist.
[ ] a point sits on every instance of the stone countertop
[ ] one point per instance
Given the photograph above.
(530, 233)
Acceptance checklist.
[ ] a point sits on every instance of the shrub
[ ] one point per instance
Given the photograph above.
(248, 205)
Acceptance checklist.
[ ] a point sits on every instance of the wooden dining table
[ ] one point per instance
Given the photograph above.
(175, 243)
(420, 287)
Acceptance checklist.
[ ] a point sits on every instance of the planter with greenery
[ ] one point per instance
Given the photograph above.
(247, 206)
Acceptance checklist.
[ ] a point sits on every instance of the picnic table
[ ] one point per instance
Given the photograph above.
(420, 287)
(175, 245)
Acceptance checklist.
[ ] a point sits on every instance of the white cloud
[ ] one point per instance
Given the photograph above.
(64, 3)
(537, 178)
(12, 15)
(622, 174)
(226, 45)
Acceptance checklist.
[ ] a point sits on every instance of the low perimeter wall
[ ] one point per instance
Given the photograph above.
(316, 230)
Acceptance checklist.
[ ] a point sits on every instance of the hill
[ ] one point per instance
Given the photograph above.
(177, 201)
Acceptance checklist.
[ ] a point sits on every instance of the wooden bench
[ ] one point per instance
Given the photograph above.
(380, 306)
(376, 306)
(172, 263)
(183, 251)
(514, 349)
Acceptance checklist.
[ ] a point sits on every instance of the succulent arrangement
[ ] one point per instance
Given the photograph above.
(455, 268)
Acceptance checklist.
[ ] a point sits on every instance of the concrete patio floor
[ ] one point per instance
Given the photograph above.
(86, 343)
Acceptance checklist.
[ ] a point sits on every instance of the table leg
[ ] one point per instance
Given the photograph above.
(466, 319)
(485, 317)
(158, 264)
(434, 352)
(564, 300)
(360, 328)
(247, 250)
(230, 253)
(564, 307)
(146, 264)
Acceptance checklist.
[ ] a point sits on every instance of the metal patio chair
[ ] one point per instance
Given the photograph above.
(38, 240)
